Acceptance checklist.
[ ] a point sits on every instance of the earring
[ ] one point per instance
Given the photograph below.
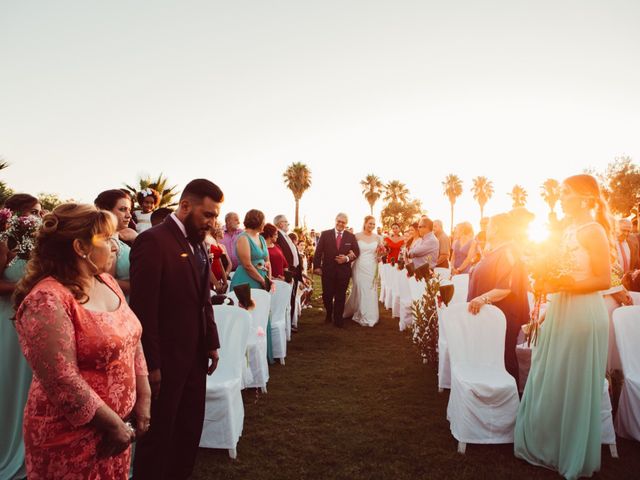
(84, 256)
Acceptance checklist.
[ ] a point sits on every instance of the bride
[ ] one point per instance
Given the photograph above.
(362, 303)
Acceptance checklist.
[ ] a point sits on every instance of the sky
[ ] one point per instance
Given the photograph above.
(94, 94)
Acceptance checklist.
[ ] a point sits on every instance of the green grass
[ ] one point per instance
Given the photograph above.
(357, 403)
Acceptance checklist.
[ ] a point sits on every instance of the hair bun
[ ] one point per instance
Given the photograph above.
(50, 223)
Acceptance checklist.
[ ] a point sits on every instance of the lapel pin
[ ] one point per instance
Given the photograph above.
(184, 255)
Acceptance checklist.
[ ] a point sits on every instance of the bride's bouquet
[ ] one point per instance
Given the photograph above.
(549, 266)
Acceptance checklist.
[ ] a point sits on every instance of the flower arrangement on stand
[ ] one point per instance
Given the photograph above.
(424, 330)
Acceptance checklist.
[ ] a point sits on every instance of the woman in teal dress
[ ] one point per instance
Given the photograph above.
(558, 424)
(252, 253)
(119, 203)
(15, 374)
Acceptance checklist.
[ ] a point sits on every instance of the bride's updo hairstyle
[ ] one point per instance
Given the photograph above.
(54, 255)
(587, 187)
(366, 219)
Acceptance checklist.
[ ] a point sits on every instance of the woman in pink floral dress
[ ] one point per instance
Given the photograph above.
(83, 344)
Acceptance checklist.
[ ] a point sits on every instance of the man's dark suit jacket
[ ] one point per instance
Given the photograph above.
(326, 252)
(288, 255)
(169, 298)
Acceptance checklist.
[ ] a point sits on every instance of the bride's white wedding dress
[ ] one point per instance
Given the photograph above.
(362, 303)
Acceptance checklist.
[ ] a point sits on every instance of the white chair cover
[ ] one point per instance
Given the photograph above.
(390, 284)
(460, 288)
(280, 318)
(444, 365)
(395, 304)
(406, 300)
(484, 398)
(443, 273)
(382, 272)
(626, 323)
(608, 433)
(224, 410)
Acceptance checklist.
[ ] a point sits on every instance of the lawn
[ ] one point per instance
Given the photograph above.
(357, 403)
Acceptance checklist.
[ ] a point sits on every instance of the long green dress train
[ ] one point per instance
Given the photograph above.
(558, 424)
(15, 380)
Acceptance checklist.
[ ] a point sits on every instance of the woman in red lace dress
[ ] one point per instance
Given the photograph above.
(83, 343)
(394, 243)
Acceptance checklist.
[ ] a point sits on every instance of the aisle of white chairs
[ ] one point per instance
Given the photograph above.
(484, 398)
(243, 359)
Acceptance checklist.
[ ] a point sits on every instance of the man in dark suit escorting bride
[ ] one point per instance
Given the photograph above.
(335, 252)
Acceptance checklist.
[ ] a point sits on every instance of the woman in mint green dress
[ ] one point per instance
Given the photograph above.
(252, 253)
(558, 424)
(15, 374)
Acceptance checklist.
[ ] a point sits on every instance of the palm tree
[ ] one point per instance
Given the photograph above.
(297, 178)
(452, 190)
(482, 191)
(5, 191)
(396, 191)
(519, 196)
(550, 192)
(372, 188)
(167, 194)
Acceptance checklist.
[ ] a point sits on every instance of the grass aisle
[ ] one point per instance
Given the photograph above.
(357, 403)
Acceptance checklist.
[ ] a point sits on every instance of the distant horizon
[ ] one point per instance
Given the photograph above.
(96, 95)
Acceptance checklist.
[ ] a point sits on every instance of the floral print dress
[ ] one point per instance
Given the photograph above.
(81, 360)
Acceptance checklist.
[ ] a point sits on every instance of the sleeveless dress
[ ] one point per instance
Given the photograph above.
(362, 303)
(259, 257)
(82, 360)
(15, 379)
(558, 424)
(460, 254)
(216, 260)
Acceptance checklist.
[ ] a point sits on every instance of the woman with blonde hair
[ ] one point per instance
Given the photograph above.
(82, 342)
(558, 424)
(362, 304)
(461, 247)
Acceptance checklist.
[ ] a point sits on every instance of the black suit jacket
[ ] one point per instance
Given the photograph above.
(170, 298)
(326, 252)
(288, 255)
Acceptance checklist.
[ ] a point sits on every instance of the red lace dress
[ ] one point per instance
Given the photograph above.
(81, 360)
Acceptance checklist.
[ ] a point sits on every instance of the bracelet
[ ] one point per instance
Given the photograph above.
(485, 299)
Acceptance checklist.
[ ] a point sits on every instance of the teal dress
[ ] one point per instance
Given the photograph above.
(259, 258)
(558, 424)
(15, 380)
(122, 261)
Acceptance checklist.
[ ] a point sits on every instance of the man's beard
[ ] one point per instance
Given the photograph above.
(194, 234)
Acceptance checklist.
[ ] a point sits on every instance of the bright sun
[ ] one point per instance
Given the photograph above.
(538, 231)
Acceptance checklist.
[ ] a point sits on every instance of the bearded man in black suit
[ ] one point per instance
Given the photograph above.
(170, 295)
(335, 252)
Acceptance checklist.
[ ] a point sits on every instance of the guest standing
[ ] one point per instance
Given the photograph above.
(445, 245)
(170, 294)
(501, 278)
(559, 421)
(394, 243)
(461, 248)
(220, 262)
(232, 231)
(426, 248)
(252, 253)
(276, 257)
(119, 203)
(15, 374)
(148, 199)
(83, 343)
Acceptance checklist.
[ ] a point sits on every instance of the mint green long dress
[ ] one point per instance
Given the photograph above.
(15, 380)
(259, 257)
(558, 424)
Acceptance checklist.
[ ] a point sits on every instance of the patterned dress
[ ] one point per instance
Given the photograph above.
(81, 360)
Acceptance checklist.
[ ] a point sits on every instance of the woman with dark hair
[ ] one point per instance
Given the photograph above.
(118, 202)
(83, 344)
(220, 261)
(394, 243)
(276, 257)
(15, 374)
(148, 199)
(252, 252)
(559, 420)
